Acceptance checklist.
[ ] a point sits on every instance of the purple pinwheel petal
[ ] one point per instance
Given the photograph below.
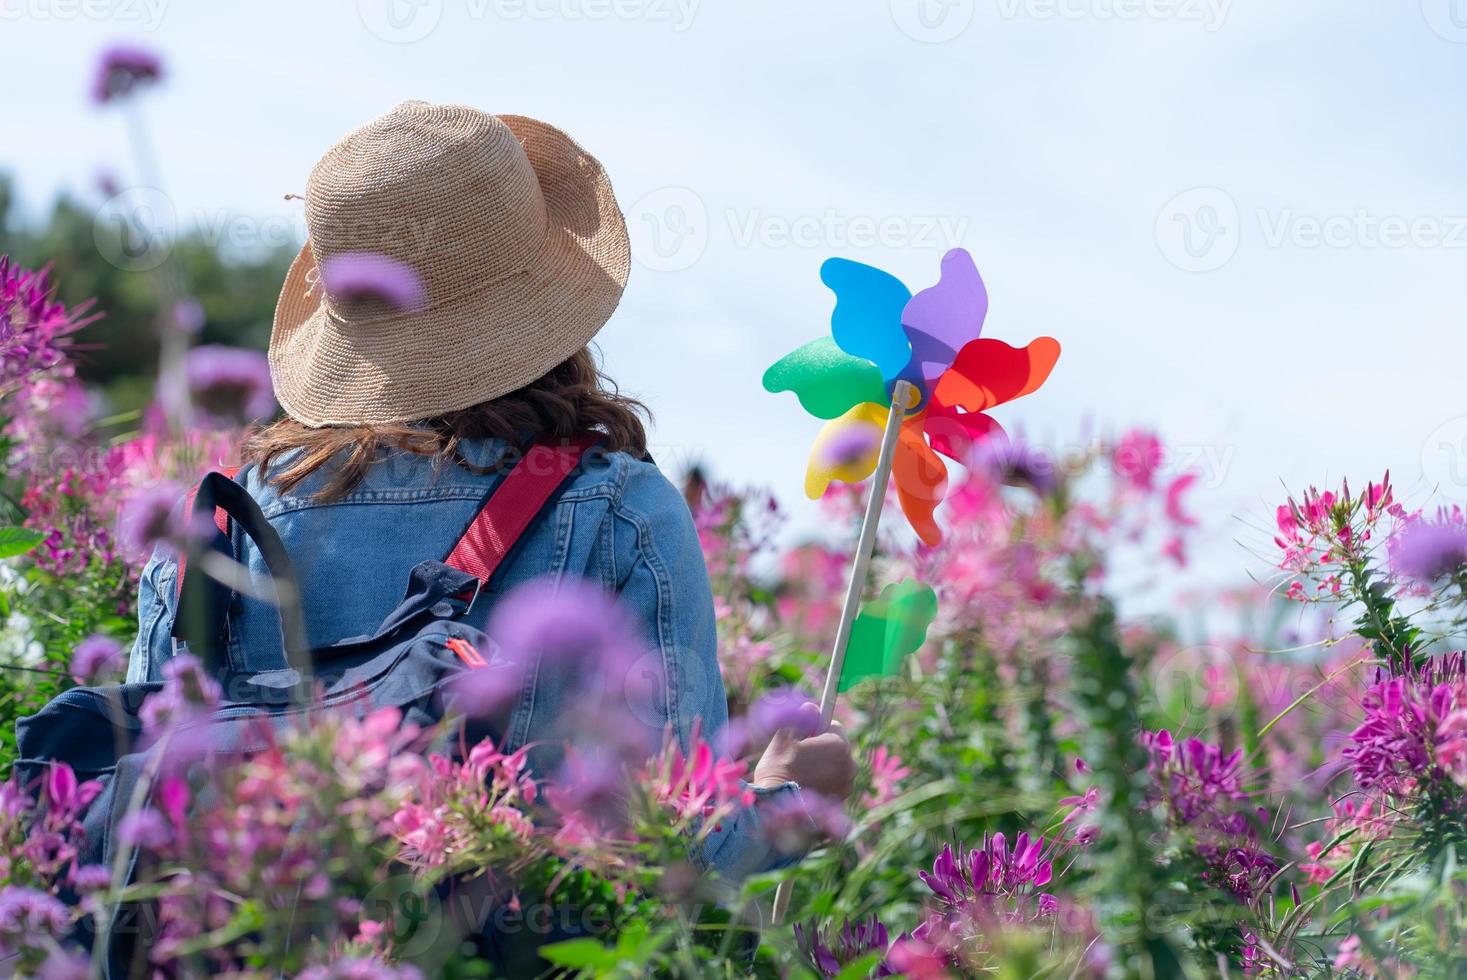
(941, 319)
(354, 278)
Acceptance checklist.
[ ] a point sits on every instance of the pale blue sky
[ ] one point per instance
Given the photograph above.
(1297, 319)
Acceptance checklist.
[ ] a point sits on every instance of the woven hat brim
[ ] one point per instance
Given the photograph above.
(488, 343)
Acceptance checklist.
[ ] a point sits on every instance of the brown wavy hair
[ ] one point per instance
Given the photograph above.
(572, 399)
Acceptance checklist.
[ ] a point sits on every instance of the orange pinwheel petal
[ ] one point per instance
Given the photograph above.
(989, 372)
(955, 433)
(920, 477)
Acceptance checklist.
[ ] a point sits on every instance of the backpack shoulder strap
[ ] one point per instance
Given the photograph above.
(221, 521)
(514, 505)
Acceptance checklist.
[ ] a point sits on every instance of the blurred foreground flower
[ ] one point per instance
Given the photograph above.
(230, 386)
(371, 280)
(121, 70)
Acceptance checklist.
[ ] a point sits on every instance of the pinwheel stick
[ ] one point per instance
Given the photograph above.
(902, 396)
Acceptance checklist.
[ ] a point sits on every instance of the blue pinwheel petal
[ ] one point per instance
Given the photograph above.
(941, 319)
(867, 321)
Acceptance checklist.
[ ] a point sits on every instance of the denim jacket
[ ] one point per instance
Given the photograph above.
(618, 522)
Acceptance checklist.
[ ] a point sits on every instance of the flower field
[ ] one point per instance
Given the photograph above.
(1050, 785)
(1048, 788)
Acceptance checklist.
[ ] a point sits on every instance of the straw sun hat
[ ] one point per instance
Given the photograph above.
(453, 257)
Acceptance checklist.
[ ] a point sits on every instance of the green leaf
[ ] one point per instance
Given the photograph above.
(859, 968)
(828, 381)
(890, 627)
(582, 954)
(19, 540)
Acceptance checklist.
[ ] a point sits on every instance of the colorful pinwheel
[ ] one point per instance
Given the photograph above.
(881, 334)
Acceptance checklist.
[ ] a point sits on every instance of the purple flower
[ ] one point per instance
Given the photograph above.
(371, 279)
(784, 707)
(1016, 463)
(91, 878)
(188, 316)
(188, 693)
(122, 69)
(795, 822)
(1202, 789)
(144, 828)
(851, 445)
(569, 622)
(97, 657)
(146, 520)
(828, 953)
(1426, 550)
(361, 968)
(28, 918)
(230, 385)
(62, 964)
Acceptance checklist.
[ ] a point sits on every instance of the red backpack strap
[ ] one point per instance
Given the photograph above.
(221, 521)
(514, 505)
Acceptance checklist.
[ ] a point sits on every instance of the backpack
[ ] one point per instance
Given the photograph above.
(409, 664)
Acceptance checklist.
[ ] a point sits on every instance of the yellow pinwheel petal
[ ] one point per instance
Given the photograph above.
(846, 448)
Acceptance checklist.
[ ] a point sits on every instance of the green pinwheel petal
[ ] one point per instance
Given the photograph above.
(891, 627)
(828, 381)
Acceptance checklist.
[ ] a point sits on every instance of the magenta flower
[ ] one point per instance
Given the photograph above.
(122, 69)
(1137, 457)
(993, 880)
(1408, 727)
(97, 657)
(33, 327)
(1202, 789)
(230, 385)
(371, 279)
(698, 786)
(887, 773)
(146, 519)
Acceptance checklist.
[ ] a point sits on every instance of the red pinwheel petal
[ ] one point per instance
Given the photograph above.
(989, 372)
(955, 433)
(920, 477)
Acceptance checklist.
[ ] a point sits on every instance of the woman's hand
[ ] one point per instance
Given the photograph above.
(821, 763)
